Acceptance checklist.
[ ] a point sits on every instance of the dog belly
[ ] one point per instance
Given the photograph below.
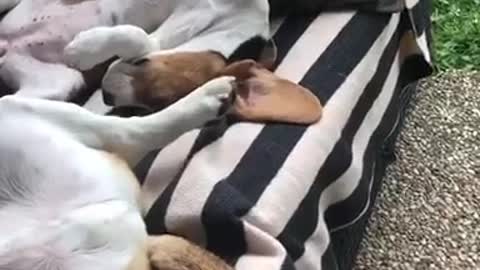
(42, 29)
(57, 172)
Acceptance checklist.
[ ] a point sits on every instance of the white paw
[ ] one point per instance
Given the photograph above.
(99, 44)
(204, 103)
(215, 92)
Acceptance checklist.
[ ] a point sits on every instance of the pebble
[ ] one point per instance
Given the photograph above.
(427, 214)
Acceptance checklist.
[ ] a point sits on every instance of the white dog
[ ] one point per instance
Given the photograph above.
(68, 198)
(199, 34)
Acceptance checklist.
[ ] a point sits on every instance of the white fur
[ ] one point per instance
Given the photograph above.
(65, 203)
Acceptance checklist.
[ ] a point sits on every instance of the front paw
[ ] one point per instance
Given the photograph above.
(213, 94)
(99, 44)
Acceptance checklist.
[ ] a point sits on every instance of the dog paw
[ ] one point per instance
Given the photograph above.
(99, 44)
(215, 92)
(205, 102)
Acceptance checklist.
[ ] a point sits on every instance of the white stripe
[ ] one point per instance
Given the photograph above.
(423, 45)
(346, 184)
(296, 176)
(411, 3)
(209, 166)
(318, 36)
(165, 167)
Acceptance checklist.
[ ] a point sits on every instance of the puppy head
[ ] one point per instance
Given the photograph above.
(159, 80)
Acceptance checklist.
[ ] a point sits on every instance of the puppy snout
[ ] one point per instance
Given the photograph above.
(108, 98)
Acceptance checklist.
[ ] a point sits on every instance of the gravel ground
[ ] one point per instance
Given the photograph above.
(428, 213)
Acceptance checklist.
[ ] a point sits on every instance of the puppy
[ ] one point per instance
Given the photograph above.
(68, 197)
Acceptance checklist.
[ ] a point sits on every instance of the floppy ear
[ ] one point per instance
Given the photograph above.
(262, 96)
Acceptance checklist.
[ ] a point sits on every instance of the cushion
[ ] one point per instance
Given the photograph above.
(280, 196)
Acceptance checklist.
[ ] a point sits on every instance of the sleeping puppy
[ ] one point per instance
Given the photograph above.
(68, 198)
(34, 34)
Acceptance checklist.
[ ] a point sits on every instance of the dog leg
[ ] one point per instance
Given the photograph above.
(99, 44)
(6, 5)
(130, 138)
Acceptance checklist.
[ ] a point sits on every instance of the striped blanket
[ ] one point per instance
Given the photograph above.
(281, 196)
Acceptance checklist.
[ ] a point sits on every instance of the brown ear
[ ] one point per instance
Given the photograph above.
(265, 97)
(241, 70)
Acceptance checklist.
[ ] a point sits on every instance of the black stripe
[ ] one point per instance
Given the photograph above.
(287, 264)
(155, 218)
(304, 221)
(235, 196)
(329, 261)
(421, 13)
(378, 148)
(141, 170)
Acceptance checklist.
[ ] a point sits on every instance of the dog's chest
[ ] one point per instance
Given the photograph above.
(42, 28)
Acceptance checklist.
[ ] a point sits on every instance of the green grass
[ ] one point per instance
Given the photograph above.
(456, 26)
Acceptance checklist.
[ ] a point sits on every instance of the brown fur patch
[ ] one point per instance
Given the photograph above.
(164, 79)
(140, 261)
(168, 252)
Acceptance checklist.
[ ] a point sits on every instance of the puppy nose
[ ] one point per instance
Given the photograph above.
(108, 98)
